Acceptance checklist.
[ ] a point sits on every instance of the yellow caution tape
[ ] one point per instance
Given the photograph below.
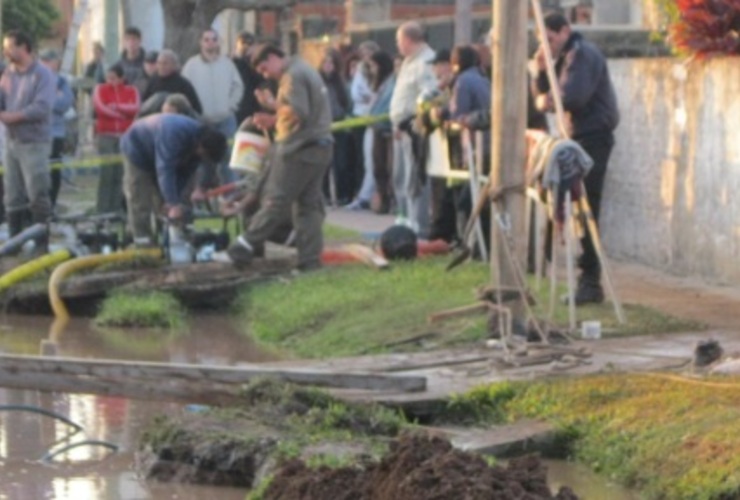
(107, 160)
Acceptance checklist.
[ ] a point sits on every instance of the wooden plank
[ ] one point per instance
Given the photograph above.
(114, 371)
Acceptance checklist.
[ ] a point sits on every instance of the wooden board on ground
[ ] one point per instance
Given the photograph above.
(168, 379)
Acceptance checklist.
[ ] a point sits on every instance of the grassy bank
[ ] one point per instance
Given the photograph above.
(239, 446)
(666, 436)
(141, 310)
(357, 310)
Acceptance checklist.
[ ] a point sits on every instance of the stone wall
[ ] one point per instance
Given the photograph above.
(672, 196)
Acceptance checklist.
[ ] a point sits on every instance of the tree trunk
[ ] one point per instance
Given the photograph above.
(185, 20)
(463, 21)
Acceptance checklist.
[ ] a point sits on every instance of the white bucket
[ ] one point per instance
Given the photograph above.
(248, 152)
(591, 330)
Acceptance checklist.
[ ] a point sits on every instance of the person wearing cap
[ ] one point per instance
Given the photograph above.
(301, 156)
(63, 102)
(590, 103)
(150, 64)
(443, 223)
(27, 93)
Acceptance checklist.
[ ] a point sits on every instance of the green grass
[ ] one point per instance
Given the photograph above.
(357, 310)
(143, 310)
(669, 437)
(338, 234)
(641, 320)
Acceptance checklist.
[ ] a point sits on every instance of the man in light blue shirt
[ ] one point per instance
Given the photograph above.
(27, 92)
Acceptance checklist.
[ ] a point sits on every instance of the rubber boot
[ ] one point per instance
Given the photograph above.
(16, 222)
(41, 243)
(589, 289)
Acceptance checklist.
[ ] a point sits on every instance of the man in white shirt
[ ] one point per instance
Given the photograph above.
(415, 76)
(219, 87)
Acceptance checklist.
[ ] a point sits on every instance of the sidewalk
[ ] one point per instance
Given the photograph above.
(365, 221)
(716, 306)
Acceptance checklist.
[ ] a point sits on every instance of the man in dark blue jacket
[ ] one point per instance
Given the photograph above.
(591, 104)
(162, 154)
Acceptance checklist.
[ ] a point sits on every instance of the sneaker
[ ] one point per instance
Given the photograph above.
(240, 252)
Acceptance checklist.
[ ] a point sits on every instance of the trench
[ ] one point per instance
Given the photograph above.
(92, 472)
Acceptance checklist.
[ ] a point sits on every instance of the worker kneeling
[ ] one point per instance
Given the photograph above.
(162, 155)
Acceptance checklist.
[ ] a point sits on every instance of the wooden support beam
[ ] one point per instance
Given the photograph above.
(508, 124)
(150, 380)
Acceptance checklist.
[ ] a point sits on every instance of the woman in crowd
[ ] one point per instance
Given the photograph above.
(116, 104)
(362, 96)
(331, 71)
(383, 82)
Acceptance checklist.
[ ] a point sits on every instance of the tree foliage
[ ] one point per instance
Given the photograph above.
(707, 27)
(35, 17)
(186, 19)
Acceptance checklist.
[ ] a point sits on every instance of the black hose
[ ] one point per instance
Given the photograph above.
(41, 411)
(88, 442)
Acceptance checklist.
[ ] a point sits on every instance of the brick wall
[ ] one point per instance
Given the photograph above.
(671, 195)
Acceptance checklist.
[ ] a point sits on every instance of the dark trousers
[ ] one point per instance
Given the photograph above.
(383, 168)
(356, 162)
(294, 185)
(57, 148)
(341, 168)
(444, 211)
(599, 148)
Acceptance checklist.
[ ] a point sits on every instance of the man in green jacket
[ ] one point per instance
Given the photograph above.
(300, 158)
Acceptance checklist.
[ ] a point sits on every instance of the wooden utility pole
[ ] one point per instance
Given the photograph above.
(508, 123)
(463, 21)
(349, 16)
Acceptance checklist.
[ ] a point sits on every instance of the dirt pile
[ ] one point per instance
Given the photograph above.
(417, 468)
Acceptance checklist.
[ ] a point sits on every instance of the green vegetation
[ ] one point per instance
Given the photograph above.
(667, 436)
(35, 17)
(276, 421)
(357, 310)
(354, 309)
(332, 233)
(337, 234)
(141, 309)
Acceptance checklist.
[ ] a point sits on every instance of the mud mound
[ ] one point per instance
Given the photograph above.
(417, 468)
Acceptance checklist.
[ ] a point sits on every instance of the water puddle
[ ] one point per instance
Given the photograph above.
(584, 482)
(93, 471)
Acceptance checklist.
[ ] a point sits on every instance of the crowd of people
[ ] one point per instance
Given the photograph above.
(171, 121)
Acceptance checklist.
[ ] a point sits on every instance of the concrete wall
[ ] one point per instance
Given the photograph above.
(671, 199)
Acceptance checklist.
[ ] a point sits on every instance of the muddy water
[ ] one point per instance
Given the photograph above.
(94, 472)
(585, 483)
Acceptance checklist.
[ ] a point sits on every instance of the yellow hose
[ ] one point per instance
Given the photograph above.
(33, 267)
(61, 272)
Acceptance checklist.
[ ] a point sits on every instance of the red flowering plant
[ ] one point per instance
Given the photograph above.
(707, 27)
